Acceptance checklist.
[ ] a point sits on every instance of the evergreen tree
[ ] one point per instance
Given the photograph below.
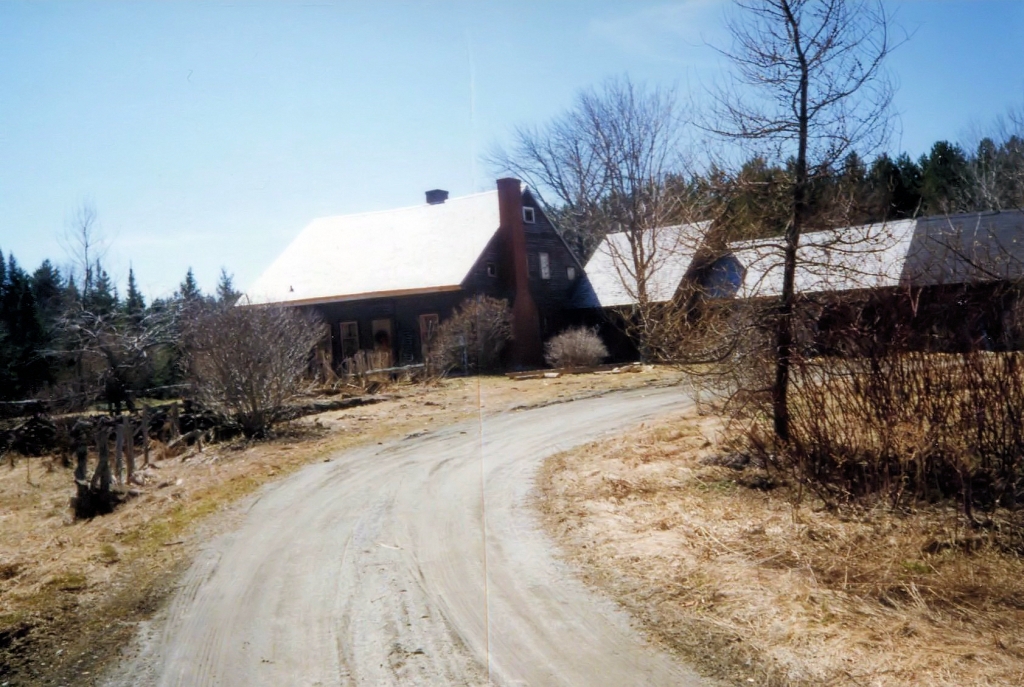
(944, 175)
(894, 188)
(48, 289)
(1011, 172)
(188, 290)
(71, 292)
(23, 369)
(102, 299)
(226, 292)
(134, 304)
(754, 201)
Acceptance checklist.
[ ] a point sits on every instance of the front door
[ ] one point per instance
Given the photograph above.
(383, 342)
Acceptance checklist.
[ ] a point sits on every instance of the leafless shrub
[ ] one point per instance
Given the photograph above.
(474, 337)
(575, 347)
(246, 363)
(882, 416)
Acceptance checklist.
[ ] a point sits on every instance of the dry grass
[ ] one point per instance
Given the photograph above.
(72, 591)
(754, 586)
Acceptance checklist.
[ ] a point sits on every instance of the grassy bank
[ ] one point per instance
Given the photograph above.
(756, 585)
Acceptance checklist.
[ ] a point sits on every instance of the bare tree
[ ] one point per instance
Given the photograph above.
(607, 165)
(247, 362)
(995, 173)
(84, 245)
(603, 162)
(809, 86)
(112, 351)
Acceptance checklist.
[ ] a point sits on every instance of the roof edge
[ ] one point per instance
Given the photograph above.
(365, 295)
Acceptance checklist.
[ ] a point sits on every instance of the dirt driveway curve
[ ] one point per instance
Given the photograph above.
(414, 563)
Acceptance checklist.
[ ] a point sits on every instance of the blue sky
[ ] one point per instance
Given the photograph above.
(209, 134)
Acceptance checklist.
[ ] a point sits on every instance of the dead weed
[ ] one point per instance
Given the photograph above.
(753, 584)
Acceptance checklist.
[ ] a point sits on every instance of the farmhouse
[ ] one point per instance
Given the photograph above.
(384, 281)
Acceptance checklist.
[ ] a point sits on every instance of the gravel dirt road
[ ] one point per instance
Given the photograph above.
(418, 562)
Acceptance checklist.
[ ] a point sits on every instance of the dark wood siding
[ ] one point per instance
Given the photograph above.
(479, 281)
(404, 312)
(551, 295)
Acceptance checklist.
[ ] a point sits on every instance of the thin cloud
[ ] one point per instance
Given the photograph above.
(678, 32)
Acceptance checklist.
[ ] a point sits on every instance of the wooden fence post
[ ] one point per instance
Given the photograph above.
(175, 423)
(129, 447)
(145, 436)
(101, 478)
(119, 454)
(82, 459)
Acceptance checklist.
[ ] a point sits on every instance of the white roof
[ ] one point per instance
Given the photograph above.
(411, 250)
(866, 257)
(954, 249)
(612, 275)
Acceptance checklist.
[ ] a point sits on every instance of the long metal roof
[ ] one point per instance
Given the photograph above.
(865, 257)
(953, 249)
(420, 249)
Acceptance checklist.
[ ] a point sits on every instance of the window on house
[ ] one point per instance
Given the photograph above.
(531, 265)
(349, 339)
(529, 215)
(545, 266)
(570, 273)
(492, 269)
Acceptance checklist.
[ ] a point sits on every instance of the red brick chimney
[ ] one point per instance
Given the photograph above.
(527, 350)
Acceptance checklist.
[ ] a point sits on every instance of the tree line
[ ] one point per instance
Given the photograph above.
(71, 336)
(750, 201)
(946, 180)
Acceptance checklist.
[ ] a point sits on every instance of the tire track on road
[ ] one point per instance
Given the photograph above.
(369, 570)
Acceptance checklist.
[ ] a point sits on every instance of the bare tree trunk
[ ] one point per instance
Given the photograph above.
(784, 333)
(781, 47)
(82, 459)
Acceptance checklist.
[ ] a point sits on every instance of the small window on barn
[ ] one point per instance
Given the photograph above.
(349, 339)
(545, 266)
(529, 215)
(570, 273)
(492, 269)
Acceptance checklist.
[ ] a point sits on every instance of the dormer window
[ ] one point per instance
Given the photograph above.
(529, 215)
